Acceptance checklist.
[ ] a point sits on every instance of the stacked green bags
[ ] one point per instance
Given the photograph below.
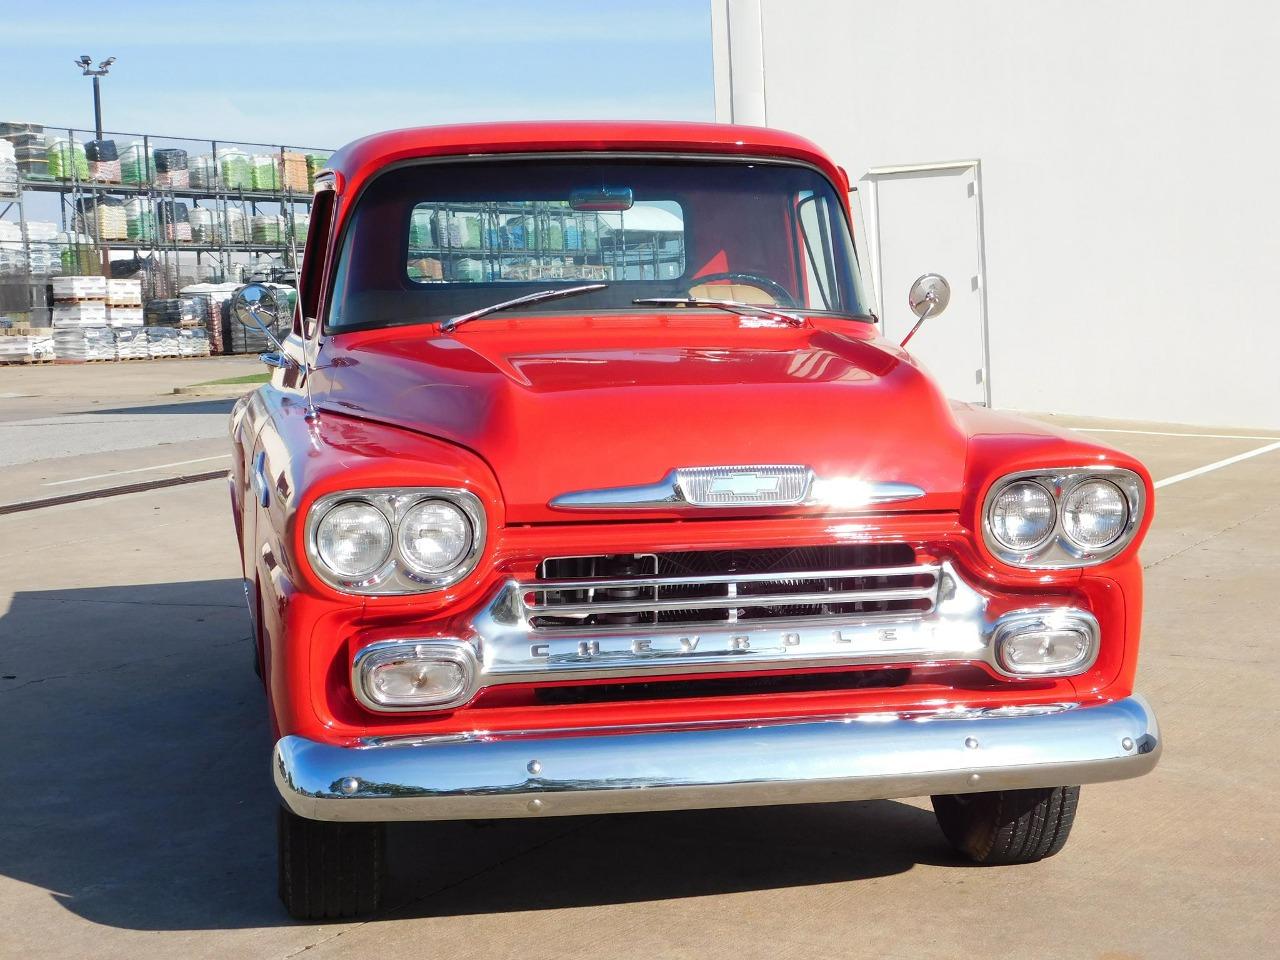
(420, 228)
(267, 229)
(315, 163)
(67, 160)
(265, 171)
(140, 220)
(136, 166)
(79, 259)
(470, 227)
(233, 167)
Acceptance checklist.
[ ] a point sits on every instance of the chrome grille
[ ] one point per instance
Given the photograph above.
(706, 587)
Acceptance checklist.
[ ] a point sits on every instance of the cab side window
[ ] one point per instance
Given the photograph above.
(314, 255)
(817, 253)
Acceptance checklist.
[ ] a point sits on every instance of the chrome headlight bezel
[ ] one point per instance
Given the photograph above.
(1058, 550)
(397, 576)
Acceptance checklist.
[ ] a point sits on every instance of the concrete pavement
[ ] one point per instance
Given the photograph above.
(138, 805)
(69, 429)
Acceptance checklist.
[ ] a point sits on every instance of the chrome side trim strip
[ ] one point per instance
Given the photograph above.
(749, 763)
(770, 485)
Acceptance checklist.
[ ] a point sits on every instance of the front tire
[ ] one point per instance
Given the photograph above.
(1007, 826)
(329, 870)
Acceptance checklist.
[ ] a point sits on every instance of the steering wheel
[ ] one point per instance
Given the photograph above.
(781, 296)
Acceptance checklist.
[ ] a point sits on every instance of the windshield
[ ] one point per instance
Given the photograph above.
(429, 242)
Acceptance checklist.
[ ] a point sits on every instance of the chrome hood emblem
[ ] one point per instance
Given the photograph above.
(758, 485)
(770, 485)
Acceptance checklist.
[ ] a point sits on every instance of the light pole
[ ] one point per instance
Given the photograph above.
(86, 66)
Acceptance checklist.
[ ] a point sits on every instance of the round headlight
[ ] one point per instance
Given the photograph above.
(1095, 513)
(353, 539)
(435, 536)
(1022, 515)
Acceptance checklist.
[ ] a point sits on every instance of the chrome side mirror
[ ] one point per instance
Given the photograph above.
(256, 307)
(928, 297)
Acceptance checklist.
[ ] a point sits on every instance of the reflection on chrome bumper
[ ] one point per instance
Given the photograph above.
(860, 757)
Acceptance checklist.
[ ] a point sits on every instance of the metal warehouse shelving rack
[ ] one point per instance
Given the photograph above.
(215, 257)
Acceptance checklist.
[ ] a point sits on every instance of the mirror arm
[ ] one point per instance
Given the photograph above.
(280, 357)
(923, 317)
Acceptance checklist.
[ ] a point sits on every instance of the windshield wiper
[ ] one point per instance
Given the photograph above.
(733, 306)
(554, 294)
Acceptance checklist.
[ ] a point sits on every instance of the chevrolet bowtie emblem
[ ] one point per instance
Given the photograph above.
(744, 485)
(773, 485)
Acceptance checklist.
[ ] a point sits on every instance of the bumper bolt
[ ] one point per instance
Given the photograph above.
(971, 743)
(349, 786)
(1126, 743)
(534, 767)
(535, 806)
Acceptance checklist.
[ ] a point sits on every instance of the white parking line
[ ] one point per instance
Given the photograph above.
(119, 473)
(1160, 433)
(1177, 478)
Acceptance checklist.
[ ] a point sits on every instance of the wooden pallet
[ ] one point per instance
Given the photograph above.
(25, 361)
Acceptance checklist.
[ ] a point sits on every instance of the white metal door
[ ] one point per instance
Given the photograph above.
(928, 219)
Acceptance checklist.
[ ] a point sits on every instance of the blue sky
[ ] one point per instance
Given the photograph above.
(322, 73)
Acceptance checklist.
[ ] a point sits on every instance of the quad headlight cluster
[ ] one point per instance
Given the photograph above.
(1073, 517)
(395, 540)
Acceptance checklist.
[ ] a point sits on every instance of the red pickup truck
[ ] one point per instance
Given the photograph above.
(586, 483)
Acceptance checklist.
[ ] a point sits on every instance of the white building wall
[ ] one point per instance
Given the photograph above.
(1130, 170)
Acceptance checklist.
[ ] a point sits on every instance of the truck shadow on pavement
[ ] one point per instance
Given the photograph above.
(219, 405)
(138, 795)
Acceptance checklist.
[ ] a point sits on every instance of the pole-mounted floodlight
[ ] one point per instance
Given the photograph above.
(85, 63)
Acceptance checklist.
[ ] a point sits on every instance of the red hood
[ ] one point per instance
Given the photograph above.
(563, 404)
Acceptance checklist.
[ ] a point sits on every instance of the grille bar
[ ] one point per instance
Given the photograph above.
(650, 600)
(733, 602)
(543, 586)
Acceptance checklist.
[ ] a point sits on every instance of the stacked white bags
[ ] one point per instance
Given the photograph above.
(131, 343)
(12, 257)
(237, 225)
(80, 287)
(43, 252)
(193, 342)
(8, 169)
(80, 313)
(124, 316)
(162, 342)
(22, 349)
(84, 343)
(124, 293)
(206, 225)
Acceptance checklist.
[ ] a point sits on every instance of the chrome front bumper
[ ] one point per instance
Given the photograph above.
(862, 757)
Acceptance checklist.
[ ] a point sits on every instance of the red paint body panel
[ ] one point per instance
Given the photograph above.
(518, 413)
